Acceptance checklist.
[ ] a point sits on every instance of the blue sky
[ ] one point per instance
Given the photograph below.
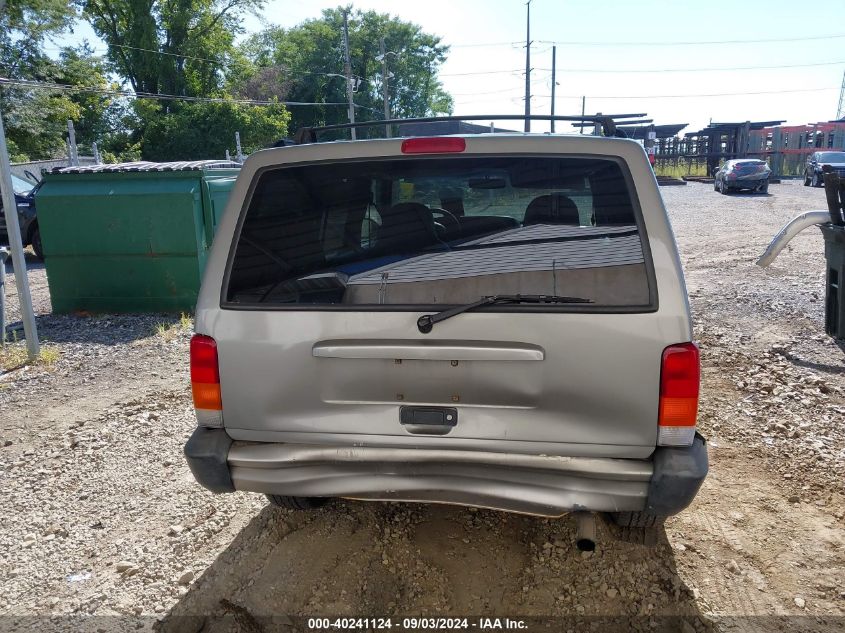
(607, 67)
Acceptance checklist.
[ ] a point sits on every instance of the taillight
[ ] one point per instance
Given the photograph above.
(434, 145)
(205, 381)
(680, 375)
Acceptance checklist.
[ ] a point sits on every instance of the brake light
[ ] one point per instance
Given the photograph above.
(434, 145)
(205, 381)
(680, 376)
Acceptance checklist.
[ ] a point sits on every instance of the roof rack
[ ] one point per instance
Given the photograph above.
(608, 122)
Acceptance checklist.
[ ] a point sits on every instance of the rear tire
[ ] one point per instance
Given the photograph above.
(636, 519)
(764, 188)
(35, 240)
(297, 503)
(636, 527)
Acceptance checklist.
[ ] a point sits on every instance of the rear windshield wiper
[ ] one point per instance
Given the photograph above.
(426, 322)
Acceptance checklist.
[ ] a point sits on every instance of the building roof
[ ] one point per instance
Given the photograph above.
(721, 128)
(607, 249)
(662, 131)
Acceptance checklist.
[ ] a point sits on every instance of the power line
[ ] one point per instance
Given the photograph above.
(721, 94)
(713, 94)
(695, 43)
(483, 72)
(692, 70)
(478, 45)
(39, 85)
(204, 59)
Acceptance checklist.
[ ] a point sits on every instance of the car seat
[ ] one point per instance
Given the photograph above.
(554, 208)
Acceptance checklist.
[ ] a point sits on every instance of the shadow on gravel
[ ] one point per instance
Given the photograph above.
(830, 369)
(747, 194)
(32, 263)
(354, 559)
(102, 329)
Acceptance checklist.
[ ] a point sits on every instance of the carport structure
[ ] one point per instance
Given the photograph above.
(788, 146)
(721, 140)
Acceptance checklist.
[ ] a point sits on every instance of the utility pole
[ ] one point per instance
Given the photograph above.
(554, 83)
(13, 230)
(347, 70)
(840, 109)
(528, 66)
(384, 87)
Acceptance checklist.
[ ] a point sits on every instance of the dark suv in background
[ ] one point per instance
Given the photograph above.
(817, 160)
(25, 200)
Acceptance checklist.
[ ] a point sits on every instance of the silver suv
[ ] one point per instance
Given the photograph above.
(487, 320)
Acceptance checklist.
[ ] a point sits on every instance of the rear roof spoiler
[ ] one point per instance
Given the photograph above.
(608, 123)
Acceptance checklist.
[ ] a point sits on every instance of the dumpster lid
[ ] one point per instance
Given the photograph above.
(187, 165)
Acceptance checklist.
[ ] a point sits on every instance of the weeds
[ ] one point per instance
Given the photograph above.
(679, 170)
(170, 331)
(15, 355)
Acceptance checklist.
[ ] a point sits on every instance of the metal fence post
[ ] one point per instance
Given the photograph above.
(13, 230)
(4, 255)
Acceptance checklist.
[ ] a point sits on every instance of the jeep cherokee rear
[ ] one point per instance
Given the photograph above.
(493, 320)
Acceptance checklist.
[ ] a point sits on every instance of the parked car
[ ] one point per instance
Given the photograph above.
(496, 321)
(25, 200)
(816, 161)
(742, 174)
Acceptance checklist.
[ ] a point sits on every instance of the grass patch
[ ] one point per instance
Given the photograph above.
(170, 331)
(15, 356)
(680, 170)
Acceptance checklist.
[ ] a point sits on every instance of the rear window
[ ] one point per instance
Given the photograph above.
(432, 231)
(832, 157)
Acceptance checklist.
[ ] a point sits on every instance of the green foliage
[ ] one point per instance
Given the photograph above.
(198, 130)
(31, 116)
(36, 119)
(173, 47)
(181, 47)
(282, 63)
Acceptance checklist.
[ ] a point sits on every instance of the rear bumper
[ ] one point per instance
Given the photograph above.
(534, 484)
(751, 183)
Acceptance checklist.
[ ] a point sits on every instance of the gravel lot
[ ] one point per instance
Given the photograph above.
(100, 515)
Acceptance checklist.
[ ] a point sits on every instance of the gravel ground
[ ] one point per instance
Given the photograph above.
(101, 517)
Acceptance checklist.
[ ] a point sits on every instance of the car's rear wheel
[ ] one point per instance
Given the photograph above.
(636, 527)
(636, 519)
(764, 188)
(35, 240)
(297, 503)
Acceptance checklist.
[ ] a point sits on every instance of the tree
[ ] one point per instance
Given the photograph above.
(175, 47)
(183, 48)
(307, 61)
(198, 130)
(23, 26)
(36, 118)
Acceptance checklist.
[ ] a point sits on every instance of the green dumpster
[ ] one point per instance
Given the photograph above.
(132, 237)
